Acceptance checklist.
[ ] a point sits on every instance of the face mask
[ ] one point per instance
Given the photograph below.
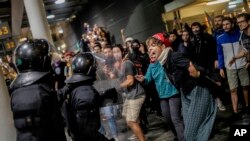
(196, 32)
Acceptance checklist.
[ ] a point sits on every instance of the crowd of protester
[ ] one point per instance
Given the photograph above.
(177, 75)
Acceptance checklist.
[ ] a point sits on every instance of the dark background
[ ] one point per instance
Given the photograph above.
(140, 18)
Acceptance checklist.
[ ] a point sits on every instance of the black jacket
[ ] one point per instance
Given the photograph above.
(177, 70)
(203, 50)
(35, 108)
(81, 110)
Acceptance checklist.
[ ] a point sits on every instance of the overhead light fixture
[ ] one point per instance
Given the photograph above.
(60, 31)
(232, 6)
(63, 46)
(59, 1)
(51, 16)
(217, 2)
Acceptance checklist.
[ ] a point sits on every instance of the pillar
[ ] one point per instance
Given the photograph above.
(35, 10)
(7, 129)
(17, 8)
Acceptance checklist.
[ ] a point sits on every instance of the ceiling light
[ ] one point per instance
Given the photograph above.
(232, 6)
(63, 46)
(60, 31)
(51, 16)
(59, 1)
(217, 2)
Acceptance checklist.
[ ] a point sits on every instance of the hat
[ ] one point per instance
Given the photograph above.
(129, 39)
(69, 53)
(162, 38)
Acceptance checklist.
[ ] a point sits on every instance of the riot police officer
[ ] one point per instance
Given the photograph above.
(34, 104)
(81, 108)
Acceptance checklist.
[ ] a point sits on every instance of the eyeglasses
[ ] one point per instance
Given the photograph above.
(240, 22)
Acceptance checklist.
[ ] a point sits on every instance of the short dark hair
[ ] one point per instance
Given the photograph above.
(245, 15)
(107, 46)
(118, 46)
(136, 41)
(121, 49)
(197, 24)
(228, 19)
(219, 16)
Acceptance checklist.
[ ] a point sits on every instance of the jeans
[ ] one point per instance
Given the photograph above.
(108, 113)
(171, 110)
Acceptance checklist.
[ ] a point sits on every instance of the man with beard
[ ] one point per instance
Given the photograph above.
(218, 30)
(203, 52)
(228, 47)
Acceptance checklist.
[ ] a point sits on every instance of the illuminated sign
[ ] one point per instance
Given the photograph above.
(4, 30)
(9, 45)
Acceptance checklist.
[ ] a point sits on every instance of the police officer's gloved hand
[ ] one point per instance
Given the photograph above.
(62, 93)
(109, 93)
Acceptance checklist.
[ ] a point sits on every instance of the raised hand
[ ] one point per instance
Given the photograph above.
(193, 71)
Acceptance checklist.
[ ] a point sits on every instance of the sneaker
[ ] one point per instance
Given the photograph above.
(235, 117)
(246, 110)
(132, 137)
(220, 105)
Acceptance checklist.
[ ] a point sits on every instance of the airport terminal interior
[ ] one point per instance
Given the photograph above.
(124, 70)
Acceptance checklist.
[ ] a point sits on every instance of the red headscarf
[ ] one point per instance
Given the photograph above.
(162, 38)
(69, 53)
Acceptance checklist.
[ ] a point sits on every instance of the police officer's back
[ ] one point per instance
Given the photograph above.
(82, 106)
(34, 105)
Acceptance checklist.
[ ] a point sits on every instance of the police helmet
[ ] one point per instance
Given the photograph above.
(33, 55)
(84, 64)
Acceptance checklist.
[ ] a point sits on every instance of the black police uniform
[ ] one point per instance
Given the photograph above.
(81, 109)
(34, 105)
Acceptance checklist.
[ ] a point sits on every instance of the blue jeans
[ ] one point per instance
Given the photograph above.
(171, 110)
(108, 113)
